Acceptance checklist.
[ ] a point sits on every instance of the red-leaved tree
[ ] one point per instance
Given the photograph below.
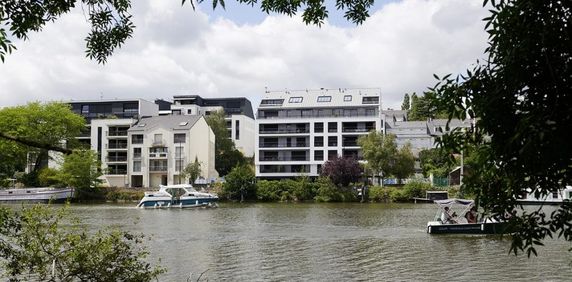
(342, 171)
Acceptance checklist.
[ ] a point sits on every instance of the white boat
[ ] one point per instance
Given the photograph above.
(44, 195)
(450, 219)
(554, 198)
(177, 196)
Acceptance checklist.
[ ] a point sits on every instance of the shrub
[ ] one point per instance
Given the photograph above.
(239, 183)
(378, 194)
(329, 192)
(416, 189)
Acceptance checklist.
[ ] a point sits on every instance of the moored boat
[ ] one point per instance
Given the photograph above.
(554, 198)
(177, 196)
(447, 221)
(43, 195)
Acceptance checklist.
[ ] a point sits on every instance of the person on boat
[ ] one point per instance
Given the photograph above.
(446, 217)
(471, 215)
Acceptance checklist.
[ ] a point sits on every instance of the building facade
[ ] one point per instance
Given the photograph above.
(239, 116)
(297, 131)
(160, 147)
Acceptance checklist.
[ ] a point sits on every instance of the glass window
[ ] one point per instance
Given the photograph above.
(179, 165)
(237, 130)
(178, 138)
(178, 152)
(136, 166)
(318, 141)
(324, 99)
(137, 139)
(332, 127)
(272, 102)
(136, 152)
(85, 109)
(333, 141)
(319, 127)
(370, 100)
(347, 98)
(319, 155)
(295, 100)
(189, 112)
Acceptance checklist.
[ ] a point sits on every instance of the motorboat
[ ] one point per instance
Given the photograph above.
(554, 198)
(43, 195)
(450, 219)
(177, 196)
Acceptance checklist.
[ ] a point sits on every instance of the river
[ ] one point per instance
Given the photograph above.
(323, 242)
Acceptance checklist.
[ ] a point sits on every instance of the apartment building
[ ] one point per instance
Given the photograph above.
(239, 115)
(297, 131)
(160, 147)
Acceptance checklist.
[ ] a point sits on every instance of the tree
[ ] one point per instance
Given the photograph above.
(111, 23)
(520, 97)
(404, 163)
(342, 171)
(192, 171)
(435, 161)
(239, 183)
(42, 242)
(406, 104)
(39, 127)
(378, 150)
(226, 154)
(81, 170)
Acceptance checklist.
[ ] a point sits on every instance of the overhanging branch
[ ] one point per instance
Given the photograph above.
(35, 144)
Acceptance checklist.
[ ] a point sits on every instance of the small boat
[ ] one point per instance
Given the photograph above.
(177, 196)
(448, 222)
(555, 198)
(43, 195)
(431, 196)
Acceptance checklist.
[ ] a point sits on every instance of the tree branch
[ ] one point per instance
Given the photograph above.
(35, 144)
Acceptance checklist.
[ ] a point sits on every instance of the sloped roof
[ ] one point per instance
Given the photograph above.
(169, 121)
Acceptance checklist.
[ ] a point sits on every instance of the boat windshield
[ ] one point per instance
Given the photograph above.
(176, 192)
(453, 209)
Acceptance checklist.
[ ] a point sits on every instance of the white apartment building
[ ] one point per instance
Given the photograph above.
(297, 131)
(160, 147)
(239, 116)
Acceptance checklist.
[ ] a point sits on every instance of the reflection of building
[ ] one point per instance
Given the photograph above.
(297, 131)
(239, 115)
(160, 147)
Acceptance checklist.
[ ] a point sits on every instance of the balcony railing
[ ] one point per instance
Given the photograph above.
(116, 146)
(284, 131)
(116, 158)
(158, 155)
(159, 168)
(278, 145)
(270, 159)
(350, 144)
(367, 129)
(117, 133)
(117, 171)
(374, 114)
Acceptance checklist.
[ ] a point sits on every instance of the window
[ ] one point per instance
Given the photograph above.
(347, 98)
(333, 141)
(178, 138)
(176, 112)
(332, 127)
(136, 153)
(179, 165)
(332, 154)
(179, 152)
(370, 100)
(318, 141)
(85, 109)
(237, 130)
(136, 166)
(189, 111)
(271, 102)
(319, 155)
(137, 139)
(295, 100)
(322, 99)
(319, 127)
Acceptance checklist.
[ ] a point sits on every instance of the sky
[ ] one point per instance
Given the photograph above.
(241, 51)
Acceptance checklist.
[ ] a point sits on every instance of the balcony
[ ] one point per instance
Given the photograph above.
(158, 155)
(285, 131)
(116, 171)
(279, 145)
(274, 158)
(159, 168)
(114, 146)
(117, 133)
(353, 130)
(116, 159)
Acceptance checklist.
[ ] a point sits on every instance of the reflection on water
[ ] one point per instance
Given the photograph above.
(323, 242)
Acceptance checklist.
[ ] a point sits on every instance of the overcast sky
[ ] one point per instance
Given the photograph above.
(240, 51)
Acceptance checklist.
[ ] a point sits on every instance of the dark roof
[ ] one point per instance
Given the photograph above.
(174, 122)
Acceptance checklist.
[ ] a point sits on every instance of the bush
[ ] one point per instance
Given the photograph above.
(285, 190)
(378, 194)
(114, 194)
(49, 177)
(416, 189)
(329, 192)
(239, 183)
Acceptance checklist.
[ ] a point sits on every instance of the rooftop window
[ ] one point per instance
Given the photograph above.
(370, 100)
(295, 100)
(347, 98)
(270, 102)
(322, 99)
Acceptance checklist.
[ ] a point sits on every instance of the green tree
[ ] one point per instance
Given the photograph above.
(45, 243)
(81, 170)
(436, 161)
(111, 23)
(406, 104)
(239, 183)
(226, 154)
(192, 171)
(379, 151)
(12, 160)
(404, 163)
(521, 97)
(39, 127)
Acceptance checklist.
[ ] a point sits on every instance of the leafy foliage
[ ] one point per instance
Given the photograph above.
(406, 103)
(379, 151)
(436, 161)
(404, 163)
(300, 189)
(422, 109)
(81, 170)
(192, 171)
(239, 183)
(342, 171)
(42, 242)
(226, 154)
(329, 192)
(521, 96)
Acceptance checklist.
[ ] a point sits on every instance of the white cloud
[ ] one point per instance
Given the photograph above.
(176, 50)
